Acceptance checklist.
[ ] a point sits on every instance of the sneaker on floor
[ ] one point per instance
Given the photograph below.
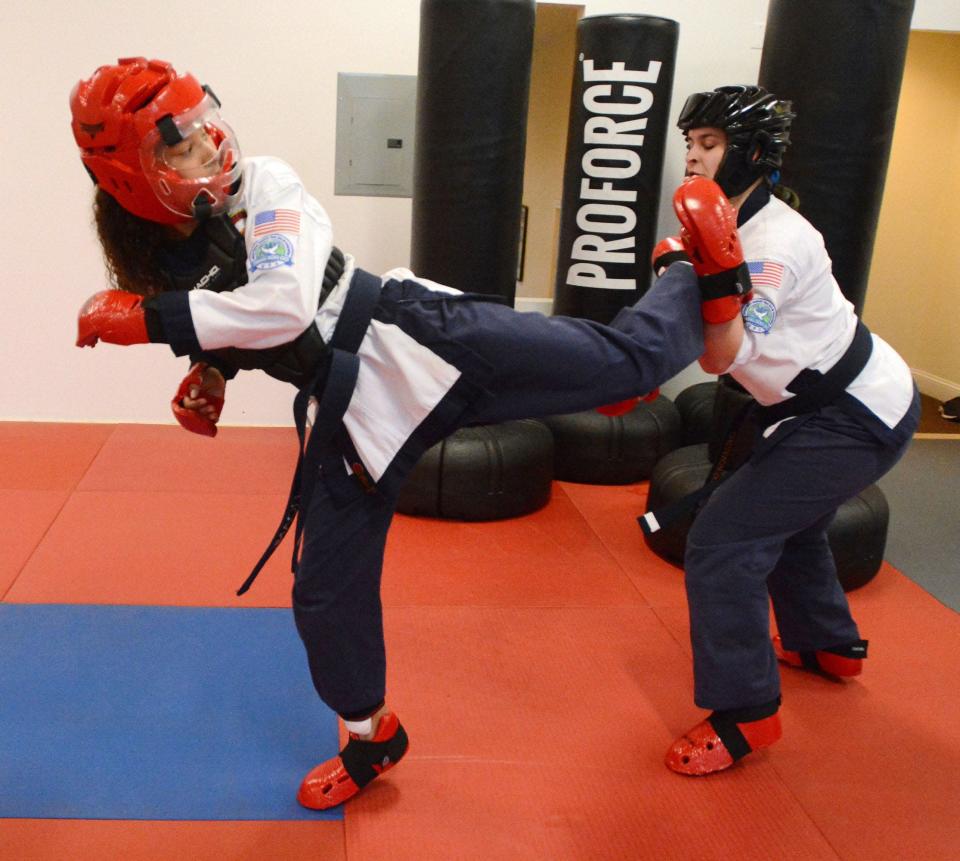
(338, 779)
(950, 410)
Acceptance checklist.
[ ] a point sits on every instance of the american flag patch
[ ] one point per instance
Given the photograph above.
(276, 221)
(765, 273)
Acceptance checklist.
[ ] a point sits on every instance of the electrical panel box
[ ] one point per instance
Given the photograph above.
(375, 125)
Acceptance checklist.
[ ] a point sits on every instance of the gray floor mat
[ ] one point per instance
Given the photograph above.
(924, 537)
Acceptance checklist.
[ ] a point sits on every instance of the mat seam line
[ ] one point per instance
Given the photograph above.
(636, 588)
(806, 812)
(70, 492)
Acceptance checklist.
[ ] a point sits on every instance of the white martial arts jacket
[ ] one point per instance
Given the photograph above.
(288, 238)
(799, 319)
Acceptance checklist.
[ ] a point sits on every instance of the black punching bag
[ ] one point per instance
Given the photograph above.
(841, 65)
(472, 89)
(619, 116)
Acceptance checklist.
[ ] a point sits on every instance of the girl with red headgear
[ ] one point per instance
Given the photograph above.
(231, 261)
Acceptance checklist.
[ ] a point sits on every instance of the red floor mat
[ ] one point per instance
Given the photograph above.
(540, 664)
(876, 760)
(27, 515)
(79, 840)
(139, 458)
(541, 733)
(551, 558)
(41, 456)
(191, 549)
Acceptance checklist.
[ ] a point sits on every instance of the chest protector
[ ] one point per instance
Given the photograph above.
(214, 257)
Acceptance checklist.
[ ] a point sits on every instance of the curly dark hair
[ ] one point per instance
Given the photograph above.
(130, 246)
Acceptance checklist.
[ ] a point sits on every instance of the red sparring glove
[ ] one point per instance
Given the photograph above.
(202, 382)
(623, 407)
(709, 235)
(114, 316)
(667, 251)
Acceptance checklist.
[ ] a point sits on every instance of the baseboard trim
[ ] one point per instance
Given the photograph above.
(936, 387)
(530, 303)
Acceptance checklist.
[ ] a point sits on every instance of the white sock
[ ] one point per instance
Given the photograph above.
(359, 727)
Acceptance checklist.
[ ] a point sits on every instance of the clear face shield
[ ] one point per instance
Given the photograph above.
(192, 161)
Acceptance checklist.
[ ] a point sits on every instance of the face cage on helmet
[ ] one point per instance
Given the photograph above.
(209, 188)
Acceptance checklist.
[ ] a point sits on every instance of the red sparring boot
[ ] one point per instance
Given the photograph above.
(718, 742)
(709, 235)
(621, 408)
(339, 779)
(844, 660)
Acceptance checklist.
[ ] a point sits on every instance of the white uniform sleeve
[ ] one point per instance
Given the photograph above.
(288, 238)
(773, 284)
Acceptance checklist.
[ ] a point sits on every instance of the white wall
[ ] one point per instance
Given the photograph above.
(936, 15)
(274, 67)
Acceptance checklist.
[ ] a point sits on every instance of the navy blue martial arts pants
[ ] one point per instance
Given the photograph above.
(764, 531)
(513, 366)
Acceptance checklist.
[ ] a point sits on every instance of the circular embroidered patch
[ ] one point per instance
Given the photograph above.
(270, 252)
(759, 315)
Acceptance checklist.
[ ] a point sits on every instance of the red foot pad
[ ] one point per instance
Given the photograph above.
(831, 662)
(701, 750)
(621, 408)
(339, 779)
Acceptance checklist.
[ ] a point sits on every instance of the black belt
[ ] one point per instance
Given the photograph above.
(822, 389)
(815, 390)
(333, 386)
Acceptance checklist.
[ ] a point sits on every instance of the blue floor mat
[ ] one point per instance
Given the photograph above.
(156, 713)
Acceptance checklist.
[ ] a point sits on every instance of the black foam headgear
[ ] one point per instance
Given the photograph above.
(757, 125)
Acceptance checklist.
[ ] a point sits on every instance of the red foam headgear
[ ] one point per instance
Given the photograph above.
(123, 117)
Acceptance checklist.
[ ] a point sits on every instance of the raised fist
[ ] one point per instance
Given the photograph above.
(113, 316)
(709, 235)
(667, 251)
(199, 400)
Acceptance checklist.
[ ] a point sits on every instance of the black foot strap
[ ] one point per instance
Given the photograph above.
(725, 723)
(360, 757)
(857, 649)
